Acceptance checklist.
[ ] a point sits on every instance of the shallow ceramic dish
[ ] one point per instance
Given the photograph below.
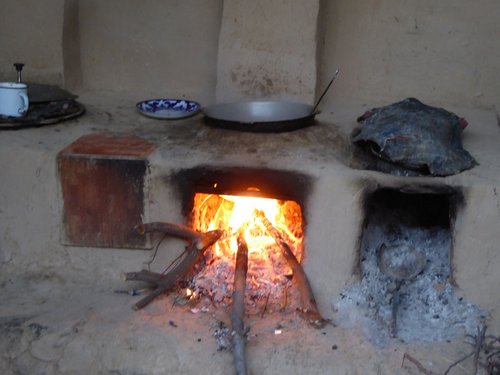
(168, 108)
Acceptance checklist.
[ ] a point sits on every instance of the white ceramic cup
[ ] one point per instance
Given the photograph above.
(13, 99)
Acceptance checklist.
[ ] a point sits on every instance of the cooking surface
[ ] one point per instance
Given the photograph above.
(189, 142)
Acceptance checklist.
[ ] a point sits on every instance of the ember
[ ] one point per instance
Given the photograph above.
(268, 271)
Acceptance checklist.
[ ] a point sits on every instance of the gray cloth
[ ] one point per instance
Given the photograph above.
(415, 137)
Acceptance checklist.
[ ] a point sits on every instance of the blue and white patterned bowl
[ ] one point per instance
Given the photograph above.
(168, 108)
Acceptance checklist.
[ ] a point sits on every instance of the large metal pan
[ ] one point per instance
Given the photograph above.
(264, 116)
(260, 116)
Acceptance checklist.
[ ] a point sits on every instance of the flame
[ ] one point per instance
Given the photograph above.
(233, 213)
(268, 271)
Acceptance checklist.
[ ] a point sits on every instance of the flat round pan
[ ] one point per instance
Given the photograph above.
(260, 116)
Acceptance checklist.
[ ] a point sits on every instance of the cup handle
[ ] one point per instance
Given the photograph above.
(26, 103)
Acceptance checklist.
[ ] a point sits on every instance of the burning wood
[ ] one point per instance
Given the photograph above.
(177, 230)
(310, 308)
(199, 242)
(267, 268)
(238, 309)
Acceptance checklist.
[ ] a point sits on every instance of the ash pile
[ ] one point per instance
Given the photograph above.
(405, 288)
(267, 286)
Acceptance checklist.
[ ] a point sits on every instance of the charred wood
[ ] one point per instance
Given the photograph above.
(309, 309)
(417, 363)
(202, 240)
(266, 301)
(199, 242)
(285, 298)
(478, 345)
(238, 308)
(485, 347)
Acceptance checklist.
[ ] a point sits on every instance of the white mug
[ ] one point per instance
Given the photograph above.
(13, 99)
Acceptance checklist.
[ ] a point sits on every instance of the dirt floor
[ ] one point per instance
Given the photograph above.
(49, 327)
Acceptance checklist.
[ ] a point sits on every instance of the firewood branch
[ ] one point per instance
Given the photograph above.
(309, 309)
(176, 230)
(482, 348)
(417, 363)
(238, 308)
(199, 242)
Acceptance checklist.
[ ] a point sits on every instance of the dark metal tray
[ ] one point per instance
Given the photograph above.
(46, 113)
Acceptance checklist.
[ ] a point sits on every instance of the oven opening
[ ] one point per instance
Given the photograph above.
(405, 288)
(255, 205)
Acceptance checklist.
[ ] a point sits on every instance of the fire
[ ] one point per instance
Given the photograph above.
(234, 214)
(190, 294)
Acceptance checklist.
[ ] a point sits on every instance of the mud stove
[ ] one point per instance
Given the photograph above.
(378, 257)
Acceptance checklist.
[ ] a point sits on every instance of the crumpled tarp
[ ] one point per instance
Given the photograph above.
(415, 137)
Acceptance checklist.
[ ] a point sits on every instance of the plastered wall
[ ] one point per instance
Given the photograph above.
(149, 48)
(267, 50)
(31, 31)
(152, 48)
(443, 52)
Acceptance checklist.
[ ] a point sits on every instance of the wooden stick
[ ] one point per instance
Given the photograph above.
(478, 343)
(238, 309)
(310, 309)
(164, 282)
(457, 362)
(393, 326)
(266, 301)
(285, 297)
(176, 230)
(481, 336)
(416, 362)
